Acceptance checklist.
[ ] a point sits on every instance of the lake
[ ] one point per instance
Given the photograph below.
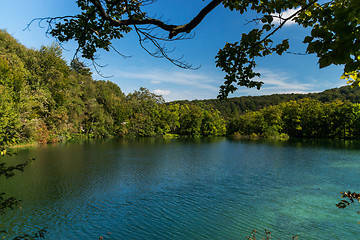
(186, 189)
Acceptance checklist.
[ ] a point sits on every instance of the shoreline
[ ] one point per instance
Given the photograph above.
(21, 145)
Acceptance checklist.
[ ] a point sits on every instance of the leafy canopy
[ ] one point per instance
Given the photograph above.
(334, 35)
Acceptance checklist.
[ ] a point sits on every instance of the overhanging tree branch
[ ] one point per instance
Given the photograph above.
(172, 29)
(333, 37)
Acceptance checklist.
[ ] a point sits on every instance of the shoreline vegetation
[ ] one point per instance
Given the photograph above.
(23, 145)
(43, 99)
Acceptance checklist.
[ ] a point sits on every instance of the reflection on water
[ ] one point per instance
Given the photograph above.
(214, 188)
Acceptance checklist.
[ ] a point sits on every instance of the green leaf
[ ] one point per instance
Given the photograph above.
(267, 27)
(308, 39)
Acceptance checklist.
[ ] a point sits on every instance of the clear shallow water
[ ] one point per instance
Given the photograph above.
(186, 189)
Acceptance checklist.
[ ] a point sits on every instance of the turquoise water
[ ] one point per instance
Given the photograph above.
(186, 189)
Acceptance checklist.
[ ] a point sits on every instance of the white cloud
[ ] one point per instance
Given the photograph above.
(196, 80)
(155, 81)
(277, 81)
(282, 81)
(284, 15)
(162, 92)
(179, 85)
(190, 85)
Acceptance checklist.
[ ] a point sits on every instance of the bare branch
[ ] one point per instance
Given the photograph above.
(49, 20)
(96, 66)
(287, 19)
(161, 51)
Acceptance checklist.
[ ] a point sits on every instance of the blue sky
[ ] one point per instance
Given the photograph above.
(281, 74)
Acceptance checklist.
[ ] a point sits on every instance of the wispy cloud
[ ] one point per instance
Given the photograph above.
(172, 85)
(155, 81)
(176, 85)
(284, 15)
(162, 92)
(278, 81)
(282, 81)
(196, 80)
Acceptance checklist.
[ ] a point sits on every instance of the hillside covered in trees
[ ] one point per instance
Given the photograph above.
(238, 105)
(44, 99)
(304, 118)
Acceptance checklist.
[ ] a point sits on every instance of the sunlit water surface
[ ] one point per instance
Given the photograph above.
(186, 189)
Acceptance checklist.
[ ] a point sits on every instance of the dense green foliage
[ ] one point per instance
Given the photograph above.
(239, 105)
(43, 99)
(307, 118)
(334, 33)
(334, 38)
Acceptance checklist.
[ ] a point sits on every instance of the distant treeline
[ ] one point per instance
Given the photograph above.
(238, 105)
(44, 99)
(305, 118)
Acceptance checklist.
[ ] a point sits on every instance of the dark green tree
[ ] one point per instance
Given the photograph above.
(212, 123)
(190, 119)
(292, 118)
(145, 113)
(273, 124)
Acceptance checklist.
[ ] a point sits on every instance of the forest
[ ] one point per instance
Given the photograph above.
(44, 99)
(239, 105)
(305, 118)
